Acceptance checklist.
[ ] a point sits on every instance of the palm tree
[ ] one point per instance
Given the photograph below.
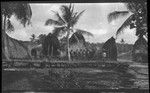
(22, 12)
(138, 18)
(122, 41)
(65, 23)
(32, 37)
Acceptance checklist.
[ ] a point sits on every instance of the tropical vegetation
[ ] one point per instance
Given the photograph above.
(22, 12)
(66, 20)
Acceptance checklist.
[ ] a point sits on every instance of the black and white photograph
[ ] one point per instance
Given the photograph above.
(58, 46)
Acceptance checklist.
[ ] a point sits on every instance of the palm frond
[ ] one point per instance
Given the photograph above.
(131, 7)
(141, 31)
(77, 16)
(70, 6)
(23, 13)
(72, 9)
(125, 24)
(60, 19)
(66, 13)
(10, 27)
(114, 15)
(84, 32)
(29, 14)
(52, 22)
(59, 30)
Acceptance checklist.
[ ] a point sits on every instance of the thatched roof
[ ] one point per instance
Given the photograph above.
(140, 42)
(110, 48)
(17, 49)
(109, 43)
(76, 37)
(140, 46)
(76, 42)
(140, 50)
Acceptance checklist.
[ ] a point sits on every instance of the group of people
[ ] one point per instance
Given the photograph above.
(83, 54)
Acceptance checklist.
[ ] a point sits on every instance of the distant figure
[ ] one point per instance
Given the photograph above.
(104, 56)
(71, 54)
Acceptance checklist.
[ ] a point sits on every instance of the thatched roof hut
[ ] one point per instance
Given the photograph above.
(110, 49)
(16, 49)
(140, 50)
(77, 42)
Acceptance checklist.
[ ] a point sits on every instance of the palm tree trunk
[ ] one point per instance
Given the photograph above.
(6, 53)
(52, 51)
(68, 48)
(48, 50)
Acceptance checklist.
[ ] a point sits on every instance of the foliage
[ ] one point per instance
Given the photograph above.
(138, 18)
(22, 12)
(41, 38)
(32, 37)
(65, 23)
(50, 45)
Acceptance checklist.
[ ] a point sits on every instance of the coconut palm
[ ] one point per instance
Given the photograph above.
(66, 20)
(32, 37)
(22, 12)
(122, 41)
(137, 19)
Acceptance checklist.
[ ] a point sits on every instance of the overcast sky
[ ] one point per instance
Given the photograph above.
(94, 20)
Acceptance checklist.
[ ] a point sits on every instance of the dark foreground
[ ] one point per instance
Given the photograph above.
(77, 78)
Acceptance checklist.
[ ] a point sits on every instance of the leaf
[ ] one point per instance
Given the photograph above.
(125, 24)
(131, 7)
(66, 13)
(10, 27)
(114, 15)
(52, 22)
(59, 30)
(60, 19)
(23, 13)
(76, 17)
(72, 9)
(84, 32)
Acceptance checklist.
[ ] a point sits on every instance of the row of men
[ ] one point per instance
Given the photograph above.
(79, 54)
(83, 54)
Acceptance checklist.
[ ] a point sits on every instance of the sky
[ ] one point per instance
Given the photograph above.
(93, 20)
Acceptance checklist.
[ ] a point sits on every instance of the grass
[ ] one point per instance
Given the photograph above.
(71, 78)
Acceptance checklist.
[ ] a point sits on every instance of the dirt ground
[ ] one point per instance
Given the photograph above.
(136, 76)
